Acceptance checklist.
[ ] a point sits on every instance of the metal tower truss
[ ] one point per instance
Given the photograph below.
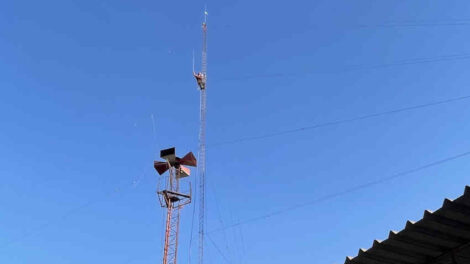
(201, 78)
(172, 199)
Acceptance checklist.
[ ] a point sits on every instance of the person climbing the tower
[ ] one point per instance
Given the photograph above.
(201, 80)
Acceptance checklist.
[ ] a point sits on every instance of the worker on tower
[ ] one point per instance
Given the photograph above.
(201, 80)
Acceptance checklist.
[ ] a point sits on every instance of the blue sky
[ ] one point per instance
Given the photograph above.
(81, 80)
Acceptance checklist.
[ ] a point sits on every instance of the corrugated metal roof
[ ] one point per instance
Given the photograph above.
(441, 237)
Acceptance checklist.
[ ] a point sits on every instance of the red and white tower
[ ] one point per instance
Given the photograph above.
(171, 197)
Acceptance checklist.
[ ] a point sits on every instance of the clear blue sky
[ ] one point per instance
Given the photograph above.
(80, 80)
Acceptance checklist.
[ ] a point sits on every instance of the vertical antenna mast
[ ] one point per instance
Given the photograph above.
(201, 78)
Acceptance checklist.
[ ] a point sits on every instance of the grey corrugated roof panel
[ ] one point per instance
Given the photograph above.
(436, 236)
(423, 252)
(433, 239)
(398, 252)
(448, 226)
(453, 215)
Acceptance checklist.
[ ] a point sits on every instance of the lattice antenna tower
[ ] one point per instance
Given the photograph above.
(171, 198)
(201, 78)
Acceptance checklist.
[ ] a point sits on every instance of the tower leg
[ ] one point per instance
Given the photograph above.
(167, 233)
(171, 234)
